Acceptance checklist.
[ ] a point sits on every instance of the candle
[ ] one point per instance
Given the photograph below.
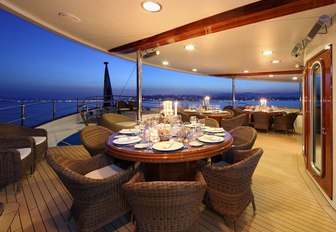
(263, 102)
(175, 108)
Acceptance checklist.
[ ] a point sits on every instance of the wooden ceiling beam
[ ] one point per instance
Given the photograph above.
(244, 15)
(275, 73)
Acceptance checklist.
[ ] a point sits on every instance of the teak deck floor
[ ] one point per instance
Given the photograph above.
(285, 198)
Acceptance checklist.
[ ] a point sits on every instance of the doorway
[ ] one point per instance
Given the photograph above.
(318, 119)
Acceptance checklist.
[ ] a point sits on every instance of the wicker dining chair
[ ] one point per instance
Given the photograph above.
(228, 107)
(285, 122)
(93, 139)
(162, 206)
(211, 122)
(116, 122)
(244, 138)
(262, 121)
(229, 187)
(39, 135)
(184, 116)
(231, 123)
(95, 185)
(16, 158)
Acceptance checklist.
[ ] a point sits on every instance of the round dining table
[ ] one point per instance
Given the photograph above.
(218, 116)
(168, 165)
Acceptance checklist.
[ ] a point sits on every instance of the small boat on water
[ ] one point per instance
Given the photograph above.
(294, 185)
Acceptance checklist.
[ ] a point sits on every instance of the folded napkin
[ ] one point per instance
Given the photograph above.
(129, 131)
(213, 138)
(169, 144)
(128, 139)
(215, 129)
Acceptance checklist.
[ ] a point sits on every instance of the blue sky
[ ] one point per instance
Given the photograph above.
(36, 63)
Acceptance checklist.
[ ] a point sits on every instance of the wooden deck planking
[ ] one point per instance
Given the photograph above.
(283, 200)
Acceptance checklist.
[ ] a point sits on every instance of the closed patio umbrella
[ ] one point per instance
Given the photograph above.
(108, 96)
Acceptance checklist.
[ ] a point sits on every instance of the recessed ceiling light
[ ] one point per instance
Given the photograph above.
(151, 6)
(165, 62)
(194, 69)
(276, 61)
(294, 78)
(246, 71)
(267, 52)
(271, 75)
(189, 47)
(69, 17)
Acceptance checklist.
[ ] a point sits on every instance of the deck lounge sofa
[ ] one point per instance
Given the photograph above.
(116, 122)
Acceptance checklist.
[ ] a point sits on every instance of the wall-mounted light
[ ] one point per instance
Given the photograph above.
(321, 23)
(150, 54)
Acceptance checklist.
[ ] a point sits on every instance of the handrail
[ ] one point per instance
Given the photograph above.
(27, 116)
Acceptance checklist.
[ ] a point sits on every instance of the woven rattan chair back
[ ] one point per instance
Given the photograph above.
(184, 116)
(262, 121)
(97, 202)
(285, 122)
(12, 130)
(244, 137)
(93, 139)
(229, 187)
(165, 205)
(231, 123)
(211, 122)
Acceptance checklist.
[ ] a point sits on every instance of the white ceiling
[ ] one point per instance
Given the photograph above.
(106, 24)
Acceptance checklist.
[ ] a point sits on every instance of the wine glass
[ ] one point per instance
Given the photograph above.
(181, 135)
(178, 119)
(192, 119)
(201, 122)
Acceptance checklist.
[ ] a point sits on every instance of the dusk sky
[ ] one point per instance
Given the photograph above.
(36, 63)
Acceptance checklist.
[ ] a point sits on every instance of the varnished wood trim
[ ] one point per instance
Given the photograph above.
(244, 15)
(286, 72)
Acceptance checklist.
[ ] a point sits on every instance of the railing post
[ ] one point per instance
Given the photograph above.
(22, 114)
(54, 109)
(77, 105)
(233, 92)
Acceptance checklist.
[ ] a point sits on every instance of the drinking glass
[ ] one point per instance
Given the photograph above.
(181, 135)
(201, 122)
(178, 119)
(192, 119)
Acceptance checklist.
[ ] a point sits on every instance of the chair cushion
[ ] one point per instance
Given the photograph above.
(104, 172)
(39, 139)
(24, 152)
(221, 164)
(126, 124)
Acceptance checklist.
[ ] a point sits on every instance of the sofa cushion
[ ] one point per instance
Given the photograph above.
(39, 139)
(104, 172)
(24, 152)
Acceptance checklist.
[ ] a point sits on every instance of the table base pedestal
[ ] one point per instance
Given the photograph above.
(170, 171)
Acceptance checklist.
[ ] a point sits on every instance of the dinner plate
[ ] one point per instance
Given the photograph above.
(196, 143)
(214, 130)
(190, 110)
(129, 131)
(220, 134)
(141, 145)
(167, 146)
(120, 136)
(210, 139)
(127, 140)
